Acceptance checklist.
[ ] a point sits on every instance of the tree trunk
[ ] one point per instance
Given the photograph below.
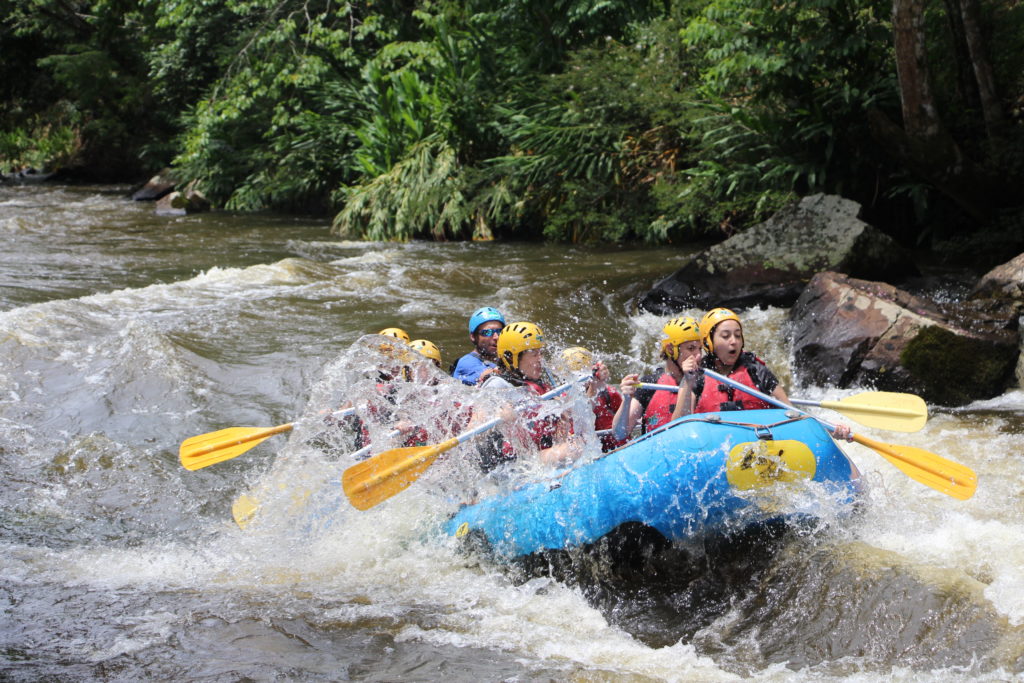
(924, 144)
(967, 86)
(991, 109)
(920, 119)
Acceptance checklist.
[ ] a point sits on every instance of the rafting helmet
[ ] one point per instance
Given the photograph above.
(396, 333)
(428, 349)
(577, 358)
(678, 331)
(484, 315)
(515, 339)
(710, 321)
(395, 351)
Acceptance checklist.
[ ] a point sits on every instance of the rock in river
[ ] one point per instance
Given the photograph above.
(771, 263)
(848, 331)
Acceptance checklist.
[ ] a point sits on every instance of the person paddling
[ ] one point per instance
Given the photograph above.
(520, 352)
(722, 339)
(680, 351)
(604, 399)
(484, 327)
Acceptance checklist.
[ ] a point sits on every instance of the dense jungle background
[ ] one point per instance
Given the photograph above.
(573, 120)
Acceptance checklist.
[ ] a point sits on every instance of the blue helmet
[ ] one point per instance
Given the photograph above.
(484, 315)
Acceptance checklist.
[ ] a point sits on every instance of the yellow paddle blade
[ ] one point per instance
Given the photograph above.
(375, 480)
(946, 476)
(244, 509)
(207, 449)
(883, 410)
(755, 464)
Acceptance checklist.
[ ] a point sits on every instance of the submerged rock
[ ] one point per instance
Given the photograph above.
(771, 263)
(25, 176)
(850, 331)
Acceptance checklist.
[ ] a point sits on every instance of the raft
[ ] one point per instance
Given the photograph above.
(705, 474)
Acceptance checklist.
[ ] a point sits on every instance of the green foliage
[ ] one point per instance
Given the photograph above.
(580, 120)
(787, 88)
(425, 193)
(587, 145)
(277, 128)
(45, 146)
(83, 57)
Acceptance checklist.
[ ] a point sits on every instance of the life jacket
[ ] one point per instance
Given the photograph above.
(606, 403)
(659, 409)
(540, 429)
(716, 396)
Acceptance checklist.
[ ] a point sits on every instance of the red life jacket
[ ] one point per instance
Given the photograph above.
(659, 410)
(541, 430)
(605, 404)
(716, 393)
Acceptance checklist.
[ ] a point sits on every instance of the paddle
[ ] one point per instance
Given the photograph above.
(879, 409)
(375, 480)
(208, 449)
(889, 410)
(932, 470)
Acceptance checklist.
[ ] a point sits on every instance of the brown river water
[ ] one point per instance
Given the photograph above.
(122, 333)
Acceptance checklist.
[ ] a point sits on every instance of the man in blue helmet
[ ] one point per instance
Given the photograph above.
(484, 327)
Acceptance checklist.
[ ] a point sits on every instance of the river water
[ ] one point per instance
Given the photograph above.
(122, 333)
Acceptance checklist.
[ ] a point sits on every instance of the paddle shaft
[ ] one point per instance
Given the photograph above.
(365, 450)
(491, 424)
(385, 474)
(221, 445)
(883, 416)
(260, 434)
(657, 387)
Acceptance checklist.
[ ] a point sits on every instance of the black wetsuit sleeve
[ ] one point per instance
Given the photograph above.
(764, 379)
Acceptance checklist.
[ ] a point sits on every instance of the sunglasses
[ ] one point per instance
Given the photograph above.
(489, 333)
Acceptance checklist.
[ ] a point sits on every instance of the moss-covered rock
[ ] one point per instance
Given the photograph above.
(848, 332)
(953, 370)
(770, 263)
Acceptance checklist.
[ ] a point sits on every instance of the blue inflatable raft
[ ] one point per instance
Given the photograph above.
(708, 473)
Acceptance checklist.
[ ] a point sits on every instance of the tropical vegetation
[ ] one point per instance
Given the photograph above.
(576, 120)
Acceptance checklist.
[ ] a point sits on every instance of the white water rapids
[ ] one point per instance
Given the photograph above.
(121, 334)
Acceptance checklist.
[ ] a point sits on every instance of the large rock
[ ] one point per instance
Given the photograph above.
(1003, 288)
(771, 263)
(1005, 281)
(850, 331)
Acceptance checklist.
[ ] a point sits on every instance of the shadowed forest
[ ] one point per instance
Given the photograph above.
(572, 120)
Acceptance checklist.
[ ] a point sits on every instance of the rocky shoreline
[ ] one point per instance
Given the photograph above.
(853, 319)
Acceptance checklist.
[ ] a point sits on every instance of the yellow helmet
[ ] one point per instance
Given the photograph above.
(577, 358)
(396, 333)
(710, 321)
(678, 331)
(428, 349)
(515, 339)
